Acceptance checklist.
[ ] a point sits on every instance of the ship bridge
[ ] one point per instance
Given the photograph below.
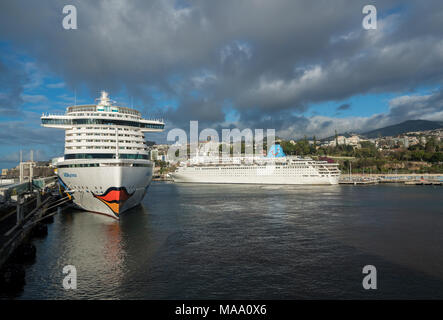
(103, 128)
(103, 113)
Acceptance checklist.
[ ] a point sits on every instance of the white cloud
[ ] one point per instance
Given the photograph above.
(56, 85)
(34, 98)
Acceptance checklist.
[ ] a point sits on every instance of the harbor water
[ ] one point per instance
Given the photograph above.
(190, 241)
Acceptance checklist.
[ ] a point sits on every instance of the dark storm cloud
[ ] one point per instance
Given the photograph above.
(11, 89)
(268, 59)
(209, 111)
(428, 107)
(345, 106)
(19, 133)
(326, 124)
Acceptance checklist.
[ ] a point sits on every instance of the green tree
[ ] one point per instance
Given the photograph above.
(437, 157)
(336, 138)
(417, 155)
(431, 145)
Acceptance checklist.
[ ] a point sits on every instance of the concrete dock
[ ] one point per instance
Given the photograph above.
(24, 209)
(409, 179)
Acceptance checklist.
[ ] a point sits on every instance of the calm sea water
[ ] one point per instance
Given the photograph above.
(249, 242)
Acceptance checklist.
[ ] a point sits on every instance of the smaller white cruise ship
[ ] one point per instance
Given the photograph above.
(276, 168)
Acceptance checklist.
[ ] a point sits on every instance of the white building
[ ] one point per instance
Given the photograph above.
(353, 141)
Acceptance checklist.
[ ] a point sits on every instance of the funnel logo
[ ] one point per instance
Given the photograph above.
(276, 151)
(114, 198)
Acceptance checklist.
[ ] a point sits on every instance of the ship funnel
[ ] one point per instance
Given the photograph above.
(276, 151)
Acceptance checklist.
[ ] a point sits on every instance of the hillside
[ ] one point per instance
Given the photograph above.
(407, 126)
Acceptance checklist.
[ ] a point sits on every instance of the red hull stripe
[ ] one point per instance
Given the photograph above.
(114, 198)
(115, 195)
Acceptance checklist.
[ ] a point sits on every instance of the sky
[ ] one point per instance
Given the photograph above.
(303, 68)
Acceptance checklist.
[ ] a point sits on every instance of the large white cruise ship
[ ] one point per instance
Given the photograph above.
(106, 167)
(276, 168)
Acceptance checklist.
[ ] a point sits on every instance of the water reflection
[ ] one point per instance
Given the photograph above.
(248, 242)
(93, 244)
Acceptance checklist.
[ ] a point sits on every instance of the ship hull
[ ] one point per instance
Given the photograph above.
(109, 190)
(254, 179)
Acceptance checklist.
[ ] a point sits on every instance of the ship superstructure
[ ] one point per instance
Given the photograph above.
(106, 167)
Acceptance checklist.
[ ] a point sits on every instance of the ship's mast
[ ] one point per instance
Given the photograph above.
(104, 99)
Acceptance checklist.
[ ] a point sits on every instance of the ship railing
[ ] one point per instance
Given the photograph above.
(53, 114)
(153, 120)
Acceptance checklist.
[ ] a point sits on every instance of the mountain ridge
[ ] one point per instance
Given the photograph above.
(403, 127)
(395, 129)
